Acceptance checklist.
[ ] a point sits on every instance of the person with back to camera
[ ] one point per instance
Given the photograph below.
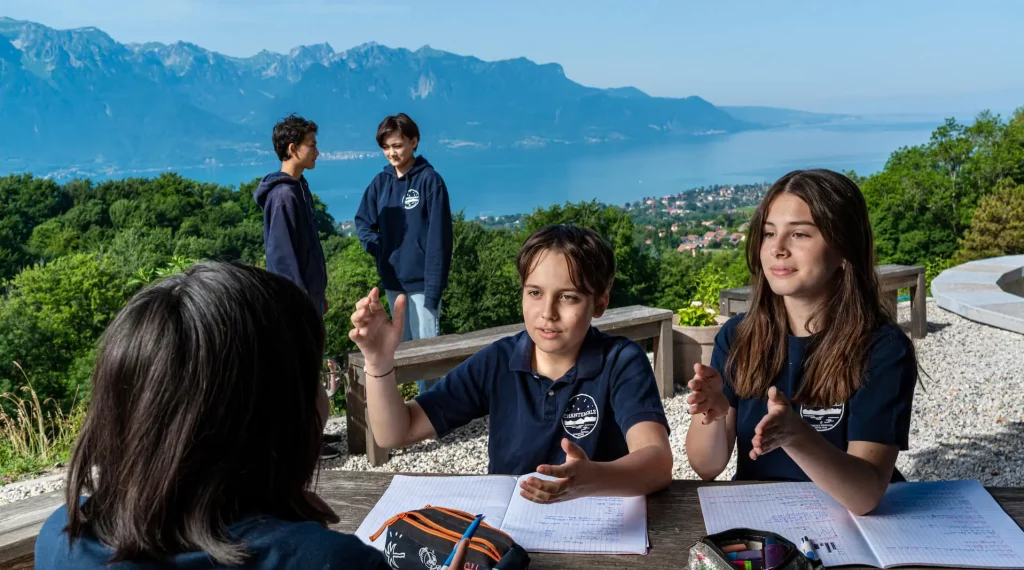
(202, 436)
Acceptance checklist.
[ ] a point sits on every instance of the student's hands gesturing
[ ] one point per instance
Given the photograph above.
(376, 335)
(706, 395)
(573, 478)
(778, 427)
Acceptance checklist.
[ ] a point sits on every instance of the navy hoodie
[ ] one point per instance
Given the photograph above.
(405, 223)
(289, 233)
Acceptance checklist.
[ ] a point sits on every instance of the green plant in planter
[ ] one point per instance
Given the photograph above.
(704, 308)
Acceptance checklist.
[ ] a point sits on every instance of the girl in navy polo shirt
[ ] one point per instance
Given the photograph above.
(818, 379)
(564, 400)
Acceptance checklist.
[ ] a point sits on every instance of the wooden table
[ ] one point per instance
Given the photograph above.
(434, 357)
(674, 521)
(891, 278)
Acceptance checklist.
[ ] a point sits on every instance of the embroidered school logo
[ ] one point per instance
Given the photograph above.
(580, 417)
(412, 198)
(823, 419)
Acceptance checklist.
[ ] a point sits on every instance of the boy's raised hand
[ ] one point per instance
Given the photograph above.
(706, 395)
(573, 478)
(376, 335)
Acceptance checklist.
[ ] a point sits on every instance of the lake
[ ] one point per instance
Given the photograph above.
(495, 182)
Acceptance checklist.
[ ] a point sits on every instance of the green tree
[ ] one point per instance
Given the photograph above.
(635, 268)
(998, 225)
(483, 285)
(52, 316)
(351, 274)
(922, 202)
(25, 202)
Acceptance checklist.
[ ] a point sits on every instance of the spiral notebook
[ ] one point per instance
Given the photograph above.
(591, 525)
(956, 523)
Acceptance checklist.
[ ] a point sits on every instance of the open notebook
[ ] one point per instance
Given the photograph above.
(955, 523)
(592, 525)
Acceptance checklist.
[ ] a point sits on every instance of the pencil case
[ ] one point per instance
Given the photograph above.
(423, 539)
(707, 553)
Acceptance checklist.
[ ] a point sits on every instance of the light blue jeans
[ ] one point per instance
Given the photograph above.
(420, 322)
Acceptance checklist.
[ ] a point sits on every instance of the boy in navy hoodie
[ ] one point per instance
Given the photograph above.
(289, 224)
(290, 236)
(405, 222)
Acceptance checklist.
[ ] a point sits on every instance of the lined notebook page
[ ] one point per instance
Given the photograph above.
(591, 525)
(484, 494)
(793, 510)
(954, 523)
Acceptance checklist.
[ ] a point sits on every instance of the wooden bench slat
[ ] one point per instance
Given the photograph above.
(20, 523)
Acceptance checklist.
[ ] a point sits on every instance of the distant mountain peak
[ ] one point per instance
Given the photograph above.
(322, 49)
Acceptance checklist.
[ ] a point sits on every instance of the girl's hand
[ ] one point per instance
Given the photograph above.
(778, 427)
(706, 395)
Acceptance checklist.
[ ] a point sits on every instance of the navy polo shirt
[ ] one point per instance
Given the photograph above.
(609, 390)
(879, 411)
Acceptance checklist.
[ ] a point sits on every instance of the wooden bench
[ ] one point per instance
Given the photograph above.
(891, 278)
(435, 357)
(19, 525)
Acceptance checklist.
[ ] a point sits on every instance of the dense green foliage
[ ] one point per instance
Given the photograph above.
(923, 202)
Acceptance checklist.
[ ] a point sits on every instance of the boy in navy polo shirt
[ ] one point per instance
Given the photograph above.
(815, 382)
(564, 399)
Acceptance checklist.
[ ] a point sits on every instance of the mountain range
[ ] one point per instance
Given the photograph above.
(79, 98)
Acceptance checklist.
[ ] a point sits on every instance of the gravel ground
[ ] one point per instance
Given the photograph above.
(968, 420)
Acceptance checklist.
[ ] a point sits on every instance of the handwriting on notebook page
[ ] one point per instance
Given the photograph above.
(954, 522)
(597, 525)
(793, 510)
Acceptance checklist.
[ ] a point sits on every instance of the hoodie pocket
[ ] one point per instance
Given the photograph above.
(408, 262)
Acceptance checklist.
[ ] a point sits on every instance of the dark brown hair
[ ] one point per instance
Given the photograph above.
(844, 326)
(203, 412)
(291, 130)
(591, 260)
(400, 123)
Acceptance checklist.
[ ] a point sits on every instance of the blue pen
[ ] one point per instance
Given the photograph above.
(468, 535)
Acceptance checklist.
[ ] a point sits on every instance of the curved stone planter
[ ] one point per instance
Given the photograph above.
(989, 291)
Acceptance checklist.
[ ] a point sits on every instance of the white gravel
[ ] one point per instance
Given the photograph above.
(968, 420)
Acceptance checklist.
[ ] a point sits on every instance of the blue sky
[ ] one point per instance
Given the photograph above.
(869, 56)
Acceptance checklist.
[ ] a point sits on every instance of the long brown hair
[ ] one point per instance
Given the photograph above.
(844, 326)
(203, 411)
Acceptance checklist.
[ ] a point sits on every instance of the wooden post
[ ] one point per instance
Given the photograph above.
(355, 410)
(918, 309)
(890, 301)
(663, 360)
